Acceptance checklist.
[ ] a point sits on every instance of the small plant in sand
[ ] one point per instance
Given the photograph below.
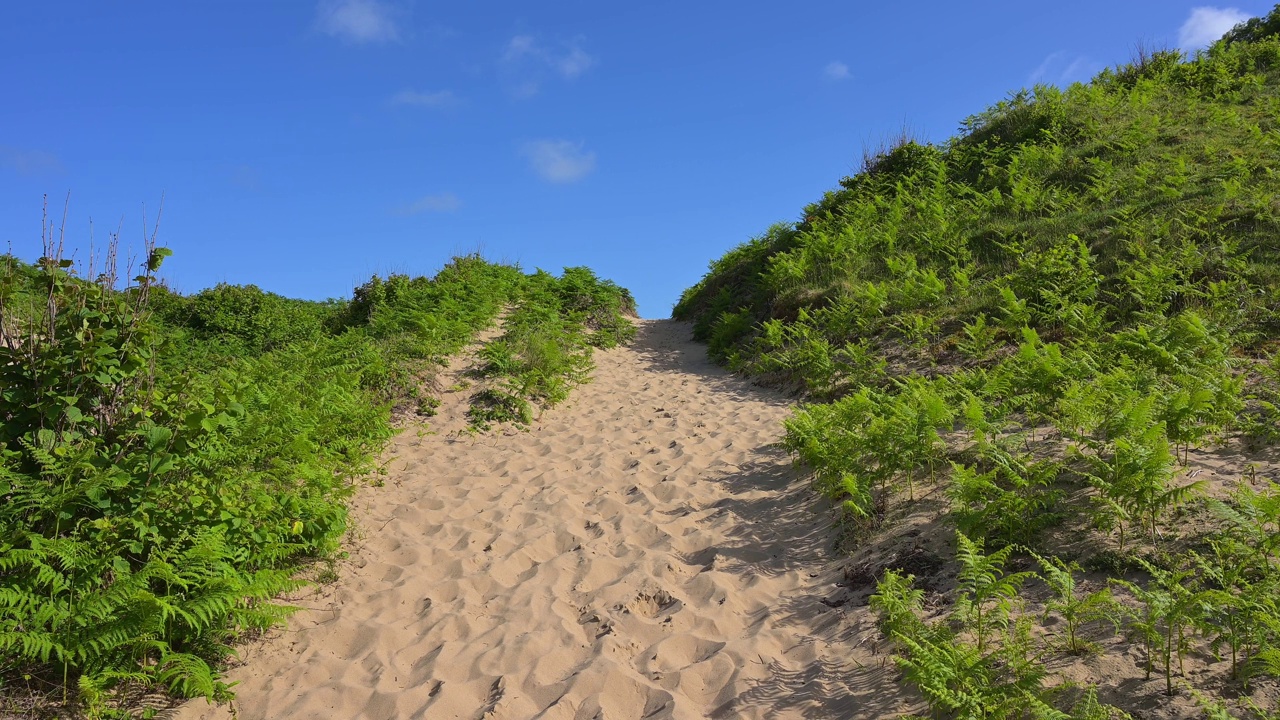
(1134, 471)
(1009, 503)
(918, 411)
(958, 677)
(1238, 598)
(1077, 609)
(979, 339)
(1170, 606)
(985, 593)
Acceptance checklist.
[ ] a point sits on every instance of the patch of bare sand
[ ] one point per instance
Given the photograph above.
(644, 551)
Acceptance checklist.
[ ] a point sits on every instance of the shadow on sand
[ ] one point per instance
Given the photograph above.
(785, 528)
(664, 347)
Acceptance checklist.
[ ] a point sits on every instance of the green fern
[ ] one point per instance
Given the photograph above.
(985, 592)
(1076, 609)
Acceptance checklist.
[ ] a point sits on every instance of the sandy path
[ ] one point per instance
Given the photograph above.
(642, 552)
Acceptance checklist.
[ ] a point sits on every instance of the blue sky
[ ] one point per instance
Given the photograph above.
(303, 146)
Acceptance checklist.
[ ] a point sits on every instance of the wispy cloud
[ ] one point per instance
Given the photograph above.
(559, 161)
(519, 47)
(525, 56)
(357, 21)
(837, 71)
(1060, 68)
(442, 203)
(29, 162)
(1206, 25)
(414, 98)
(574, 63)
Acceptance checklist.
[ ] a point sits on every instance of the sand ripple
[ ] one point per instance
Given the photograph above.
(642, 552)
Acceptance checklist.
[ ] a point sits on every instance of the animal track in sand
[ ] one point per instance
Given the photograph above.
(652, 604)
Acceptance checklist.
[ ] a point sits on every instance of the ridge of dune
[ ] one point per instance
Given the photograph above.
(643, 551)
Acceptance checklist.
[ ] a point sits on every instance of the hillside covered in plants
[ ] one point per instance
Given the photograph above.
(168, 463)
(1049, 350)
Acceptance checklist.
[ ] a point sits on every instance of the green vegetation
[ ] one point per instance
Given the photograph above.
(979, 661)
(1070, 300)
(169, 463)
(547, 344)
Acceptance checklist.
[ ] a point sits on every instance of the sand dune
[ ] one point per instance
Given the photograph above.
(642, 552)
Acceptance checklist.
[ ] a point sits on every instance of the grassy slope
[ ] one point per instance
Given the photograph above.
(1050, 314)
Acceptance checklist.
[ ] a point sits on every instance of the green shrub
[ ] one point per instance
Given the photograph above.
(250, 320)
(727, 331)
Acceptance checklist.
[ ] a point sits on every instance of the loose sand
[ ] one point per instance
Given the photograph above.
(644, 551)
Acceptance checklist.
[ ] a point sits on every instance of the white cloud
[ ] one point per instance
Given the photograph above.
(575, 63)
(439, 99)
(1060, 68)
(837, 71)
(444, 202)
(559, 161)
(29, 162)
(1080, 69)
(357, 21)
(520, 46)
(1043, 69)
(569, 62)
(1207, 24)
